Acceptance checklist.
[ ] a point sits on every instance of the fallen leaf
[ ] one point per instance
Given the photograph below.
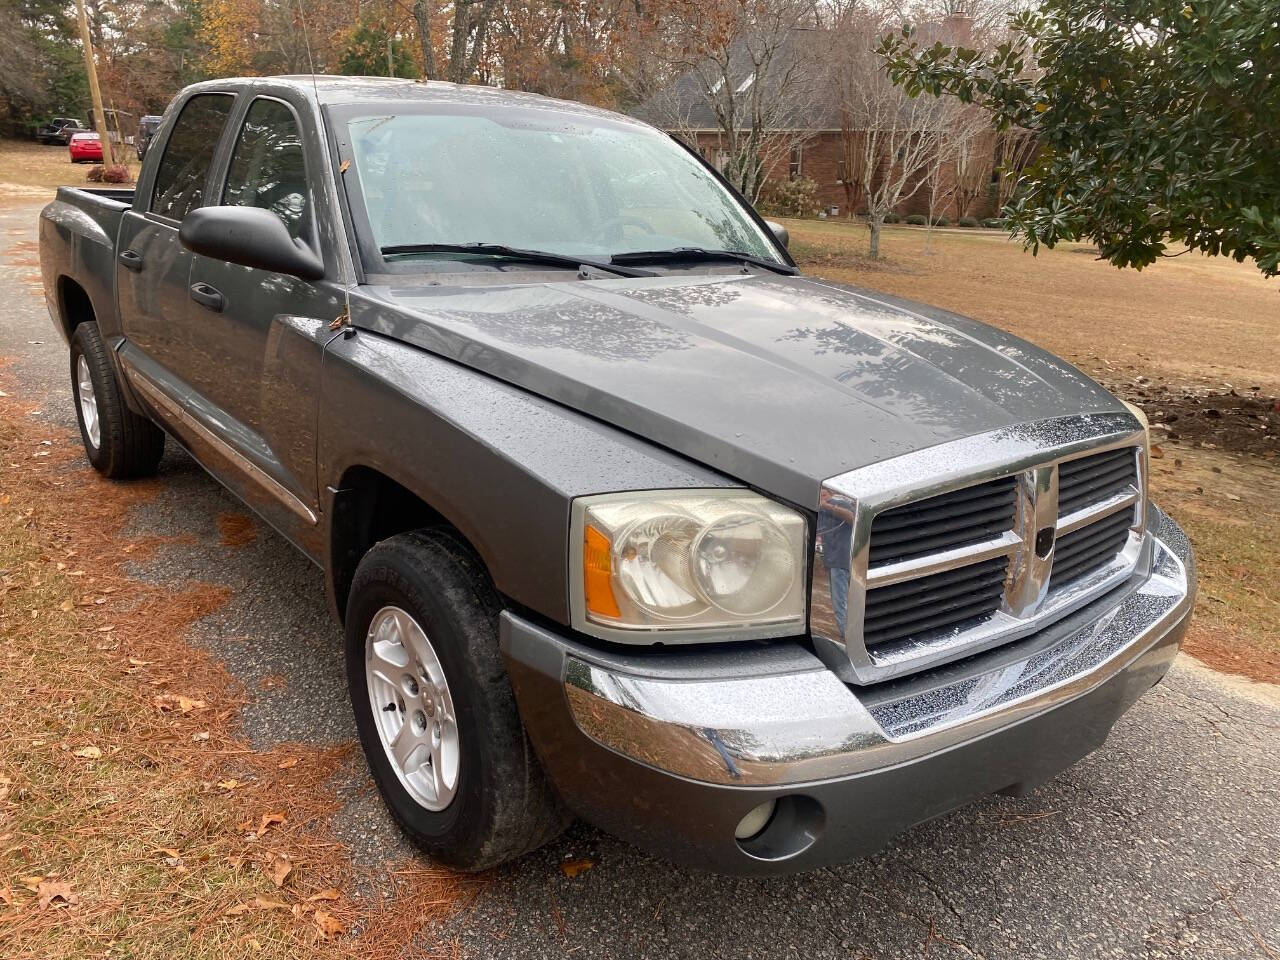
(287, 763)
(270, 820)
(262, 903)
(254, 945)
(52, 892)
(32, 883)
(574, 868)
(170, 701)
(327, 894)
(88, 753)
(200, 737)
(229, 784)
(279, 870)
(6, 896)
(328, 925)
(236, 861)
(67, 605)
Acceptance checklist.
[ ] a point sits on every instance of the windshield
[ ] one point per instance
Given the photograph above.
(539, 180)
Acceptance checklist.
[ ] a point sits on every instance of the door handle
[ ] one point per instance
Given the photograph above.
(131, 260)
(206, 296)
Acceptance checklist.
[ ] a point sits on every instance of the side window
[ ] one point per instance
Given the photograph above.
(266, 168)
(184, 167)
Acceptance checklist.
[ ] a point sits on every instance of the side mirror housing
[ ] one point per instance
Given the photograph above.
(780, 233)
(249, 236)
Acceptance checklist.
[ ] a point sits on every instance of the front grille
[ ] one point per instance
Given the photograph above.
(1088, 548)
(1089, 480)
(941, 601)
(945, 522)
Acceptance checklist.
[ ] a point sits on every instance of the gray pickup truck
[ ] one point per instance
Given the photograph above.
(623, 517)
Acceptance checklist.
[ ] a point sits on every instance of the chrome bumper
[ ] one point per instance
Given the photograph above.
(767, 717)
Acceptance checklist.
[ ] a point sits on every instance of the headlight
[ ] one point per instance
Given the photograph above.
(1142, 419)
(694, 561)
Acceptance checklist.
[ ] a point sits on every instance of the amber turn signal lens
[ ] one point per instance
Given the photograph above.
(597, 574)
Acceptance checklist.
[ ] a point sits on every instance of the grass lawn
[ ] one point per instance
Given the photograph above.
(1196, 319)
(1193, 340)
(30, 170)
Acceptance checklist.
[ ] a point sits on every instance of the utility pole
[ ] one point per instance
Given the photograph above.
(99, 116)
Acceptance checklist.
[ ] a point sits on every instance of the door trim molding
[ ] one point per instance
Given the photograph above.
(153, 392)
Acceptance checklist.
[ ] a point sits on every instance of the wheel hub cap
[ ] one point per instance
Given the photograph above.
(88, 401)
(412, 707)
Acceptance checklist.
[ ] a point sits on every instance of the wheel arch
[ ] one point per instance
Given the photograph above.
(74, 305)
(367, 506)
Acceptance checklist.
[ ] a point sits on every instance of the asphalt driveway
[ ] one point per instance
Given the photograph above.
(1165, 843)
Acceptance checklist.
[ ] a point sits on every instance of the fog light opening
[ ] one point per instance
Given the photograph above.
(784, 828)
(753, 824)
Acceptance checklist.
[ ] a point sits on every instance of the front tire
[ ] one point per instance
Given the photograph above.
(434, 708)
(118, 442)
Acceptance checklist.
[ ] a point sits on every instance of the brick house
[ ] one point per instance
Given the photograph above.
(815, 140)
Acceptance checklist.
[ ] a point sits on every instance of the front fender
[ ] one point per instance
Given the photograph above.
(500, 464)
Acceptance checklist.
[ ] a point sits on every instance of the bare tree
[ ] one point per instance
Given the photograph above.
(897, 138)
(751, 70)
(1015, 148)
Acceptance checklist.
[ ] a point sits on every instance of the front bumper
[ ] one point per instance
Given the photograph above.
(671, 750)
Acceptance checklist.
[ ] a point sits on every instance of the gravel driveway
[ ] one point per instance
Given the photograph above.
(1165, 843)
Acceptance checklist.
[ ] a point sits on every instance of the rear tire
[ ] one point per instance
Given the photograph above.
(118, 442)
(499, 804)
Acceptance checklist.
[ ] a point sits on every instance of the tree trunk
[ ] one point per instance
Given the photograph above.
(875, 222)
(423, 16)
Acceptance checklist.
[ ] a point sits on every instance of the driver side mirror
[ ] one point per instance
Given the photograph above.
(249, 236)
(780, 233)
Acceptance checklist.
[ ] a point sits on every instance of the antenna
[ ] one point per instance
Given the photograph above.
(345, 319)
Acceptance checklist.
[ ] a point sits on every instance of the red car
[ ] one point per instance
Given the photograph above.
(84, 147)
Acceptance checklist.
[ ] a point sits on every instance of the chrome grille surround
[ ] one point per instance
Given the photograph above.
(1031, 453)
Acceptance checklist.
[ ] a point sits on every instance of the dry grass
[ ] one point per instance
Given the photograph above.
(1191, 323)
(236, 529)
(1191, 318)
(134, 820)
(30, 171)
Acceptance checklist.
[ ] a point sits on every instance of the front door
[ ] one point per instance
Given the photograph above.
(260, 335)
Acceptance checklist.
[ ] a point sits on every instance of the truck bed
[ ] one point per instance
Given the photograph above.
(77, 240)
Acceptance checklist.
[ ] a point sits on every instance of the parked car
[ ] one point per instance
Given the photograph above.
(147, 128)
(563, 439)
(85, 148)
(58, 131)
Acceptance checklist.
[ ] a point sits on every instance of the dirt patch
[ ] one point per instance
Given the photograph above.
(137, 821)
(236, 529)
(1239, 422)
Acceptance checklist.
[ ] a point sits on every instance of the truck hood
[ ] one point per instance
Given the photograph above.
(780, 382)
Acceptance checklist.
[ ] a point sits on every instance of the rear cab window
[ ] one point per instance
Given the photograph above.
(188, 154)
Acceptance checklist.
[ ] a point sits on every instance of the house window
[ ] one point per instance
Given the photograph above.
(795, 169)
(746, 84)
(715, 87)
(842, 171)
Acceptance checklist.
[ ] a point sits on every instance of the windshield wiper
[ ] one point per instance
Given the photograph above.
(515, 253)
(701, 254)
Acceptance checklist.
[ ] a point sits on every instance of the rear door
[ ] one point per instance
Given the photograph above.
(153, 268)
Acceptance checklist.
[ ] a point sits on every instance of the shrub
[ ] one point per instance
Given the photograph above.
(941, 222)
(95, 173)
(892, 218)
(967, 222)
(117, 173)
(790, 198)
(993, 223)
(916, 220)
